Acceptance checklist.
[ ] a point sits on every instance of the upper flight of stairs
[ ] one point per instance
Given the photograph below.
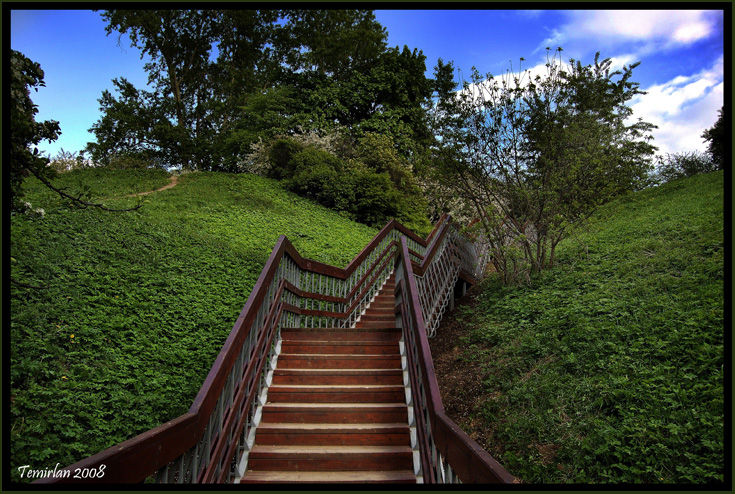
(336, 409)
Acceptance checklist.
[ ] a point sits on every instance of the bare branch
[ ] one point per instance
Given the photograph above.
(76, 200)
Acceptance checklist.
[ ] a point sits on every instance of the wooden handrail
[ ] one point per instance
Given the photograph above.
(469, 461)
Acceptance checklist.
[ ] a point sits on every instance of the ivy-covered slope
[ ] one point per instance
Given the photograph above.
(138, 304)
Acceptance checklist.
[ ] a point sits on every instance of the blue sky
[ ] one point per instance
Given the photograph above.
(681, 53)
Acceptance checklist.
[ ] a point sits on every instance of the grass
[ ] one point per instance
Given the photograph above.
(610, 367)
(138, 304)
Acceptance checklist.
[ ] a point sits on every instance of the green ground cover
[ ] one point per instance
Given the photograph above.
(610, 367)
(138, 304)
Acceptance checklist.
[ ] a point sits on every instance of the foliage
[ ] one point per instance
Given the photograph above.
(332, 42)
(273, 72)
(715, 136)
(25, 132)
(132, 129)
(682, 165)
(65, 161)
(609, 368)
(97, 357)
(367, 181)
(536, 155)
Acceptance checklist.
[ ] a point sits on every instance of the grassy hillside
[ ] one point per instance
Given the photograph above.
(609, 368)
(138, 304)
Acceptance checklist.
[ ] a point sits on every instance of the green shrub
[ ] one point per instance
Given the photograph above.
(280, 155)
(683, 165)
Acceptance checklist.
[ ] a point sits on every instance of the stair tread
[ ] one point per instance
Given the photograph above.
(326, 450)
(316, 431)
(331, 426)
(325, 477)
(335, 387)
(364, 356)
(336, 405)
(340, 335)
(341, 372)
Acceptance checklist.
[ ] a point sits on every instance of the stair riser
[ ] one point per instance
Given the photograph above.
(406, 480)
(342, 336)
(326, 439)
(359, 349)
(394, 396)
(376, 316)
(344, 462)
(281, 380)
(336, 416)
(323, 362)
(374, 325)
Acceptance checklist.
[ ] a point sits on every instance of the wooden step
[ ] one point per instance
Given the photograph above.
(330, 458)
(337, 330)
(375, 325)
(290, 477)
(336, 394)
(379, 314)
(337, 376)
(333, 434)
(307, 347)
(339, 335)
(381, 308)
(336, 407)
(384, 298)
(339, 413)
(315, 361)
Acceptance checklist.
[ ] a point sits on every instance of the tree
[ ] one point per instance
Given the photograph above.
(133, 126)
(25, 132)
(211, 70)
(716, 138)
(335, 43)
(536, 156)
(178, 43)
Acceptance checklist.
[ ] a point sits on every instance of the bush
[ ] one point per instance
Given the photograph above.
(366, 181)
(683, 165)
(280, 155)
(66, 161)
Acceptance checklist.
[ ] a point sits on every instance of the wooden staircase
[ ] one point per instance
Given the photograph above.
(336, 410)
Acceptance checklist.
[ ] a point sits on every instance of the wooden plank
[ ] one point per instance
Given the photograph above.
(469, 460)
(288, 477)
(313, 295)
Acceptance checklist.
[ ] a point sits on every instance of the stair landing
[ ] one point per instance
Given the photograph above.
(336, 410)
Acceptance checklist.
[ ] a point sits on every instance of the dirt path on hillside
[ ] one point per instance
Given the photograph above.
(173, 183)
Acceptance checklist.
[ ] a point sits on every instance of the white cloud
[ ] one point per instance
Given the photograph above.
(682, 108)
(683, 26)
(654, 29)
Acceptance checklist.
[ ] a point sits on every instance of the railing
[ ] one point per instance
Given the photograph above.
(446, 453)
(206, 444)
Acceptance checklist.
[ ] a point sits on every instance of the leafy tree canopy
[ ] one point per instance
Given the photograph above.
(25, 132)
(221, 79)
(535, 156)
(715, 136)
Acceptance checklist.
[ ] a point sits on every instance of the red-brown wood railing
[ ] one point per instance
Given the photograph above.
(447, 454)
(206, 444)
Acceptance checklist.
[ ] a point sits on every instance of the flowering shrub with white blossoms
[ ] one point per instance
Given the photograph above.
(29, 210)
(258, 162)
